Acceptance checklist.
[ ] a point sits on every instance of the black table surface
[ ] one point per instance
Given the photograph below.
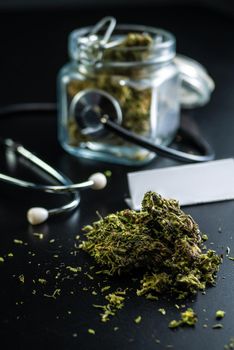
(33, 48)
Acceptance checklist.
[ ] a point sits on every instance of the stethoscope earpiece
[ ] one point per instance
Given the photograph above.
(38, 215)
(99, 181)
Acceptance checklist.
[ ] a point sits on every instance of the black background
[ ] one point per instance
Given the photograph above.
(33, 48)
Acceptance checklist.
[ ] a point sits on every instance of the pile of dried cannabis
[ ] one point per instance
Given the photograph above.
(161, 241)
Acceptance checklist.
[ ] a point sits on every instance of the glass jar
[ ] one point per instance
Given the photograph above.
(140, 82)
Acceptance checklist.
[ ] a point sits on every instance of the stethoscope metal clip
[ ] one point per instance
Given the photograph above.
(38, 215)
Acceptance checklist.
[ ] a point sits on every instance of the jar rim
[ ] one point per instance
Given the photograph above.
(159, 52)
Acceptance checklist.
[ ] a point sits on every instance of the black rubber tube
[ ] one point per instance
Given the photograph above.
(204, 148)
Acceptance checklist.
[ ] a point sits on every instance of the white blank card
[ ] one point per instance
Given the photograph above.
(189, 184)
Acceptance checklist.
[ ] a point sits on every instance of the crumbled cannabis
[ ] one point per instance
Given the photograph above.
(54, 295)
(42, 280)
(220, 314)
(161, 240)
(108, 173)
(74, 269)
(162, 311)
(115, 302)
(230, 345)
(21, 278)
(138, 319)
(104, 289)
(38, 235)
(188, 318)
(18, 241)
(204, 237)
(174, 324)
(88, 275)
(91, 331)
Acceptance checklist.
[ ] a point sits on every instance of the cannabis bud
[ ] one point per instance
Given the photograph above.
(161, 240)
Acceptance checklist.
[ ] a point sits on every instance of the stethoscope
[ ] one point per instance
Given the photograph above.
(96, 124)
(38, 215)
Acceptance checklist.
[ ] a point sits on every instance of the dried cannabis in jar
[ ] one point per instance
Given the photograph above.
(135, 102)
(160, 240)
(126, 73)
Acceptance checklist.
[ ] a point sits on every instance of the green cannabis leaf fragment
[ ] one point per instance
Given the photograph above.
(188, 318)
(220, 314)
(138, 319)
(115, 302)
(230, 345)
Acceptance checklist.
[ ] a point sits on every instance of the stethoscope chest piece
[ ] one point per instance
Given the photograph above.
(88, 107)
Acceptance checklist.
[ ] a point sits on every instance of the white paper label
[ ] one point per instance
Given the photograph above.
(189, 184)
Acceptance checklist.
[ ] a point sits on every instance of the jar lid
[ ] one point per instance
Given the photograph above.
(196, 84)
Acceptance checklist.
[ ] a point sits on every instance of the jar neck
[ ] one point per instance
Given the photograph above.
(132, 48)
(134, 72)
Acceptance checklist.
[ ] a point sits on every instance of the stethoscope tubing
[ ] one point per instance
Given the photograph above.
(64, 182)
(164, 151)
(200, 143)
